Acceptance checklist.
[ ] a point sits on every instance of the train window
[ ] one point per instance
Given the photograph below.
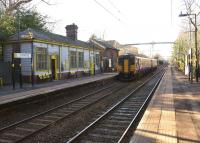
(120, 61)
(132, 60)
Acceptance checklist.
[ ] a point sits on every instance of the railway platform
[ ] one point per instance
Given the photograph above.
(173, 114)
(7, 95)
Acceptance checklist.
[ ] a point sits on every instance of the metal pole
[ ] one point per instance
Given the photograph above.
(184, 59)
(189, 56)
(196, 51)
(32, 64)
(20, 76)
(13, 71)
(20, 65)
(93, 60)
(191, 65)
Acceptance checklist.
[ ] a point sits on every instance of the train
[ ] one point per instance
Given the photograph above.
(132, 66)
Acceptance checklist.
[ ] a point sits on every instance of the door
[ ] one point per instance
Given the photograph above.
(53, 68)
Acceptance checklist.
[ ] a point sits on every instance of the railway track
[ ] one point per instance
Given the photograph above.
(25, 128)
(115, 124)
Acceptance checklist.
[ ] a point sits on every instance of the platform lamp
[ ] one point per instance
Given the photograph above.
(32, 56)
(196, 50)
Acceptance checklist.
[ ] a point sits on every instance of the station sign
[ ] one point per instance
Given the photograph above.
(22, 55)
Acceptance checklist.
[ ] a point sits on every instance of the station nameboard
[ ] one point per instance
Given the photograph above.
(22, 55)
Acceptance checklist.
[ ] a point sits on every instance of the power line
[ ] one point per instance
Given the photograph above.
(149, 43)
(117, 9)
(171, 12)
(113, 5)
(118, 19)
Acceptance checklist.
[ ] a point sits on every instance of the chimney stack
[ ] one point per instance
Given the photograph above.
(71, 31)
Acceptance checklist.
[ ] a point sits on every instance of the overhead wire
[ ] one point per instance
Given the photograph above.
(113, 5)
(108, 11)
(119, 11)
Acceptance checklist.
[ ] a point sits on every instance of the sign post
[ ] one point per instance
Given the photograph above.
(21, 56)
(13, 71)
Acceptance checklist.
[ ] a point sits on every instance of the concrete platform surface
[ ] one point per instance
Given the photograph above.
(173, 115)
(7, 95)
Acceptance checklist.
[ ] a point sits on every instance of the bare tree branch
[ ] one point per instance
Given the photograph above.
(10, 5)
(189, 5)
(3, 2)
(14, 6)
(47, 2)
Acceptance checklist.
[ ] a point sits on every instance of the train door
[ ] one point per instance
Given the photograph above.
(126, 67)
(137, 64)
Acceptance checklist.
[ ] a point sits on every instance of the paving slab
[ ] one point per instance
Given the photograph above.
(173, 114)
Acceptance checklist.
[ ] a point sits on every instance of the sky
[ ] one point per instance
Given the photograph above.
(127, 21)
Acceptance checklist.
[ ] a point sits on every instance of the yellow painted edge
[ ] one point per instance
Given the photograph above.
(48, 42)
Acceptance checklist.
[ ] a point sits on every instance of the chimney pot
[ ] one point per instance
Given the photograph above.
(71, 31)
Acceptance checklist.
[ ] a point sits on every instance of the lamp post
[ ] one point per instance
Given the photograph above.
(196, 50)
(93, 60)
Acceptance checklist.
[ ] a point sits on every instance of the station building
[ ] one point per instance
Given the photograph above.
(109, 51)
(43, 56)
(124, 49)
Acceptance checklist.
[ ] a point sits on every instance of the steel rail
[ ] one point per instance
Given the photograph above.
(60, 106)
(73, 112)
(57, 107)
(107, 112)
(140, 111)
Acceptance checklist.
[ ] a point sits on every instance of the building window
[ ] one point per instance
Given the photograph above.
(41, 58)
(97, 56)
(1, 53)
(80, 59)
(73, 63)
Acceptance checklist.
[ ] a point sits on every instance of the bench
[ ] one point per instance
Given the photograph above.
(43, 76)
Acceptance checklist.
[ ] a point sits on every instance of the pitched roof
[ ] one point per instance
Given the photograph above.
(48, 36)
(135, 54)
(103, 44)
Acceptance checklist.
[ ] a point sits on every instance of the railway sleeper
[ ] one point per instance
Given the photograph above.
(5, 141)
(14, 135)
(38, 124)
(9, 138)
(124, 111)
(122, 114)
(45, 120)
(59, 114)
(110, 126)
(64, 111)
(52, 117)
(49, 118)
(121, 118)
(106, 131)
(116, 122)
(101, 138)
(77, 105)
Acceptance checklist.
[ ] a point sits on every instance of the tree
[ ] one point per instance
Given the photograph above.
(31, 19)
(13, 14)
(9, 6)
(26, 19)
(183, 43)
(180, 50)
(7, 25)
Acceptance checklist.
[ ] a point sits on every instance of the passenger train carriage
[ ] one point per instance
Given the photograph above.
(131, 66)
